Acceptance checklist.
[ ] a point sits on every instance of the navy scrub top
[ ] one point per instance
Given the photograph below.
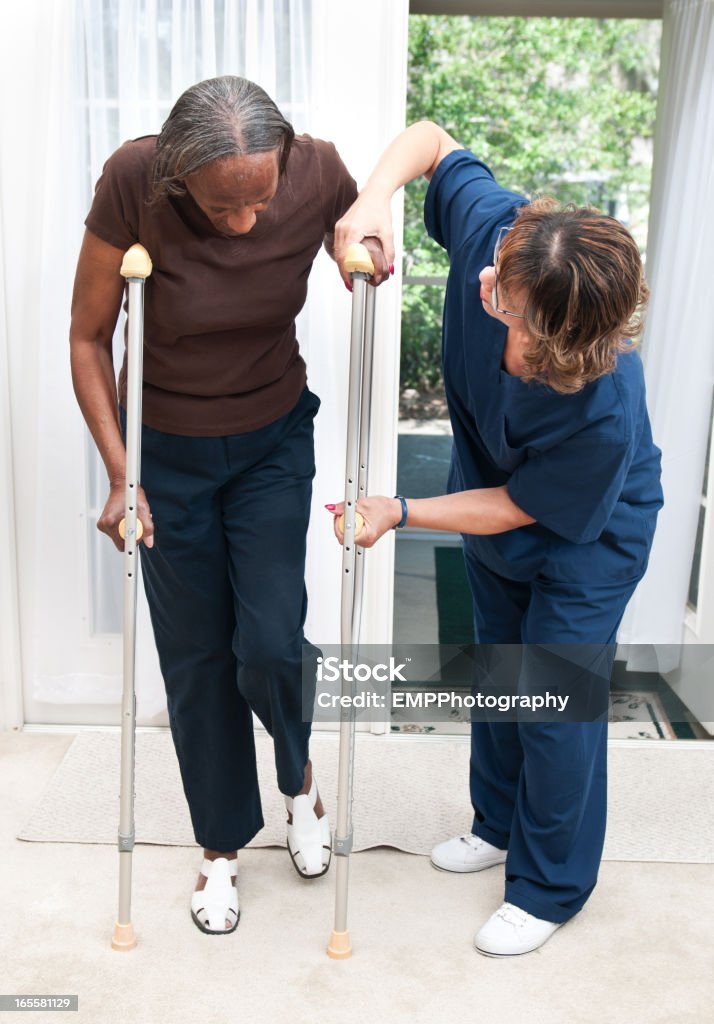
(584, 465)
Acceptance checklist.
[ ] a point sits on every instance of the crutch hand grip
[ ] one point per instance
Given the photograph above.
(359, 524)
(139, 529)
(136, 262)
(357, 260)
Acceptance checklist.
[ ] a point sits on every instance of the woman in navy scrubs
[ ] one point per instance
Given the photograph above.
(554, 485)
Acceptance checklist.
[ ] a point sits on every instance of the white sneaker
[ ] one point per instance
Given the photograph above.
(511, 931)
(466, 853)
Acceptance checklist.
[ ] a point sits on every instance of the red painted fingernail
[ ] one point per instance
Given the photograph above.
(348, 287)
(391, 268)
(330, 508)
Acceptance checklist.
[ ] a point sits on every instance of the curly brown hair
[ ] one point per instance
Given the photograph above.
(585, 291)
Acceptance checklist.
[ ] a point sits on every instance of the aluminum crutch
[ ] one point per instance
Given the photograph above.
(135, 268)
(359, 265)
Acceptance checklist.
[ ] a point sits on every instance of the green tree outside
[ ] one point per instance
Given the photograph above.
(555, 106)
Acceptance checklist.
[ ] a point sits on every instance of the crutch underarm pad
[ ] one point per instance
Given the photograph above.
(136, 262)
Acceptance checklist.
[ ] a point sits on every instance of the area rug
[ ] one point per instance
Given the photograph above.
(638, 715)
(633, 715)
(410, 793)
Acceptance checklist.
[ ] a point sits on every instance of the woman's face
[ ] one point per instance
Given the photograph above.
(234, 190)
(518, 339)
(511, 304)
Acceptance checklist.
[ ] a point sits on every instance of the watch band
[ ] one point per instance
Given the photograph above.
(403, 521)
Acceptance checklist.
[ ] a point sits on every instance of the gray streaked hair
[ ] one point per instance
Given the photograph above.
(216, 118)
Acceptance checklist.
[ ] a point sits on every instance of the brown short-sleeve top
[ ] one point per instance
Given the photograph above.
(220, 350)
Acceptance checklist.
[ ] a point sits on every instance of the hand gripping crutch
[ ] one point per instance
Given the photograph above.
(135, 267)
(359, 265)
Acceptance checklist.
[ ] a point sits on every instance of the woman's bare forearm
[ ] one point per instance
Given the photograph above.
(484, 511)
(416, 151)
(95, 388)
(98, 290)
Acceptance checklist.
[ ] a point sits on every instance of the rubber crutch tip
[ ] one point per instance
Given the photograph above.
(123, 938)
(339, 947)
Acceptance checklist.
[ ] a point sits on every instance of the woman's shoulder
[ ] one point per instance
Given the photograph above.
(613, 405)
(133, 157)
(121, 192)
(462, 169)
(316, 175)
(306, 150)
(465, 205)
(629, 364)
(462, 163)
(629, 381)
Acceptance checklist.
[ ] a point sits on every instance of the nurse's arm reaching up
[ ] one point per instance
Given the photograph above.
(417, 150)
(486, 510)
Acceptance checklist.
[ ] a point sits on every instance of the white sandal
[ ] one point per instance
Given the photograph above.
(309, 843)
(218, 901)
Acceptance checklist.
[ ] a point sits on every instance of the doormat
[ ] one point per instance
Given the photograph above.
(638, 715)
(633, 715)
(410, 793)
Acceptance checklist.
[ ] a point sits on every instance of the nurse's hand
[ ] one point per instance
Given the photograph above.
(380, 515)
(370, 216)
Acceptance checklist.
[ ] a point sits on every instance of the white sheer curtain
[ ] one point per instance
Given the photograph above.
(679, 339)
(358, 101)
(121, 65)
(38, 195)
(135, 57)
(110, 70)
(10, 662)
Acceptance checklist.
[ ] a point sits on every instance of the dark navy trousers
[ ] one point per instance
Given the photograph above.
(539, 789)
(226, 591)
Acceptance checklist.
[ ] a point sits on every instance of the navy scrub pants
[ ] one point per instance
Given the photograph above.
(539, 789)
(226, 591)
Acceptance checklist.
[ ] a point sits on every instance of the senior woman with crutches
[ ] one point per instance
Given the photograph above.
(554, 484)
(232, 208)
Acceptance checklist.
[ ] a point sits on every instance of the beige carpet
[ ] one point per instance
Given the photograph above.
(410, 793)
(641, 951)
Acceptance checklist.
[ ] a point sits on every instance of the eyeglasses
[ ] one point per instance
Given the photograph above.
(494, 291)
